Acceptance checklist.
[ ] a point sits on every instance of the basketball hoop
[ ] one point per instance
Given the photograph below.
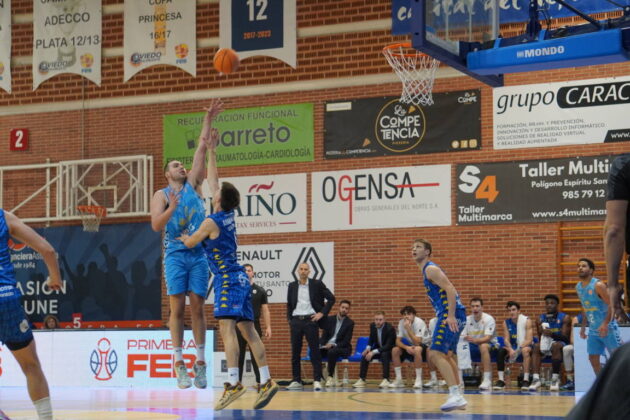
(91, 217)
(416, 71)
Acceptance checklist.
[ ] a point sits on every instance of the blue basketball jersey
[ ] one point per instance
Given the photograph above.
(7, 272)
(437, 295)
(187, 218)
(221, 251)
(594, 307)
(554, 320)
(511, 326)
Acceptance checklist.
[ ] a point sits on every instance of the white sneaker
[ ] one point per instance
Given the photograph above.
(430, 384)
(359, 384)
(317, 386)
(295, 385)
(535, 386)
(384, 383)
(485, 385)
(397, 383)
(442, 382)
(418, 383)
(462, 388)
(183, 380)
(200, 375)
(330, 382)
(454, 402)
(555, 386)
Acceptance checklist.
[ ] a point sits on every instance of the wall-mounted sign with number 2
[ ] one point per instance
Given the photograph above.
(18, 140)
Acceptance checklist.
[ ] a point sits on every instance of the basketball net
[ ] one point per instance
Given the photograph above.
(91, 217)
(415, 69)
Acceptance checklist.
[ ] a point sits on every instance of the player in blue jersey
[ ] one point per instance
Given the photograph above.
(553, 329)
(603, 331)
(179, 209)
(15, 331)
(451, 315)
(232, 290)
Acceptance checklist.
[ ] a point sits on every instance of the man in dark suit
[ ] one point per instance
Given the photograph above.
(380, 345)
(336, 340)
(308, 302)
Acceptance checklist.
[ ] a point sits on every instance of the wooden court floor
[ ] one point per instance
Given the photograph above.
(339, 403)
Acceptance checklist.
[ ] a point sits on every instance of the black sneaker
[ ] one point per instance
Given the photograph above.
(525, 386)
(499, 385)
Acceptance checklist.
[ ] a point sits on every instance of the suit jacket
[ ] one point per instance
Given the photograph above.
(344, 336)
(388, 338)
(322, 299)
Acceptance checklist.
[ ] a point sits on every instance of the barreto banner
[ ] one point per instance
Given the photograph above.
(532, 191)
(249, 136)
(5, 45)
(259, 28)
(560, 114)
(269, 203)
(160, 32)
(385, 126)
(67, 39)
(409, 196)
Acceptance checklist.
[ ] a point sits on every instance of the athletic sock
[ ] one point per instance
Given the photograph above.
(453, 390)
(536, 376)
(570, 376)
(434, 376)
(201, 352)
(43, 408)
(501, 375)
(264, 374)
(179, 356)
(398, 372)
(554, 376)
(526, 376)
(487, 376)
(233, 376)
(419, 373)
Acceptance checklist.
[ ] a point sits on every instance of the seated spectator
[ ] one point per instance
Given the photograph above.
(432, 368)
(412, 330)
(480, 332)
(518, 340)
(552, 329)
(380, 344)
(51, 322)
(336, 339)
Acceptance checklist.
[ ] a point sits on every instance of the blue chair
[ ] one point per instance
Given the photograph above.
(362, 343)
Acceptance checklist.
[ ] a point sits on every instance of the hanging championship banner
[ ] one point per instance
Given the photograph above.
(5, 45)
(67, 39)
(259, 27)
(160, 32)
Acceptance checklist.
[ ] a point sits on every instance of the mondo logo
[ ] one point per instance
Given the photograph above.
(103, 360)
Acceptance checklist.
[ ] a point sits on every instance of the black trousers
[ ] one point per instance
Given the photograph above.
(502, 354)
(242, 344)
(305, 328)
(333, 354)
(385, 358)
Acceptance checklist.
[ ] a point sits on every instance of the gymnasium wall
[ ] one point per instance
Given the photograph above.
(339, 57)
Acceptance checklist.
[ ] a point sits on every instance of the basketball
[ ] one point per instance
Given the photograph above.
(226, 61)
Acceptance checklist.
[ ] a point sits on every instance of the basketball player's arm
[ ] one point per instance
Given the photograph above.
(207, 229)
(506, 339)
(565, 330)
(195, 176)
(399, 343)
(266, 316)
(614, 244)
(160, 213)
(602, 292)
(213, 172)
(583, 325)
(438, 277)
(25, 234)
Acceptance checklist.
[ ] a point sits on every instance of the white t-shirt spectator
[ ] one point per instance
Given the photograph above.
(479, 329)
(419, 328)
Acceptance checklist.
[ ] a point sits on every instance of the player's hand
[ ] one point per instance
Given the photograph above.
(603, 330)
(54, 283)
(583, 334)
(316, 317)
(173, 200)
(268, 332)
(452, 324)
(214, 109)
(369, 356)
(183, 237)
(365, 352)
(469, 339)
(211, 140)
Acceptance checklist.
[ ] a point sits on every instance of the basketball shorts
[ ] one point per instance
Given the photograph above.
(15, 331)
(186, 271)
(233, 296)
(445, 340)
(475, 352)
(597, 345)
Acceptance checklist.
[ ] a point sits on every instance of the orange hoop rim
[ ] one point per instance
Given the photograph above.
(392, 47)
(100, 211)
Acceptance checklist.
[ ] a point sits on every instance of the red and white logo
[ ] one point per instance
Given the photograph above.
(103, 360)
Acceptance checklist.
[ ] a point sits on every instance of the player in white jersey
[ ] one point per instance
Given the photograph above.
(480, 332)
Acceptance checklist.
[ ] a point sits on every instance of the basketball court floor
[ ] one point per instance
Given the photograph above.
(341, 403)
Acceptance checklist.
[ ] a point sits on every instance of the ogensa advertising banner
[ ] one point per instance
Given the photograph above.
(132, 358)
(375, 198)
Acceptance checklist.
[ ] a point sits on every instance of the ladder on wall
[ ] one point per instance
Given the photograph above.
(577, 241)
